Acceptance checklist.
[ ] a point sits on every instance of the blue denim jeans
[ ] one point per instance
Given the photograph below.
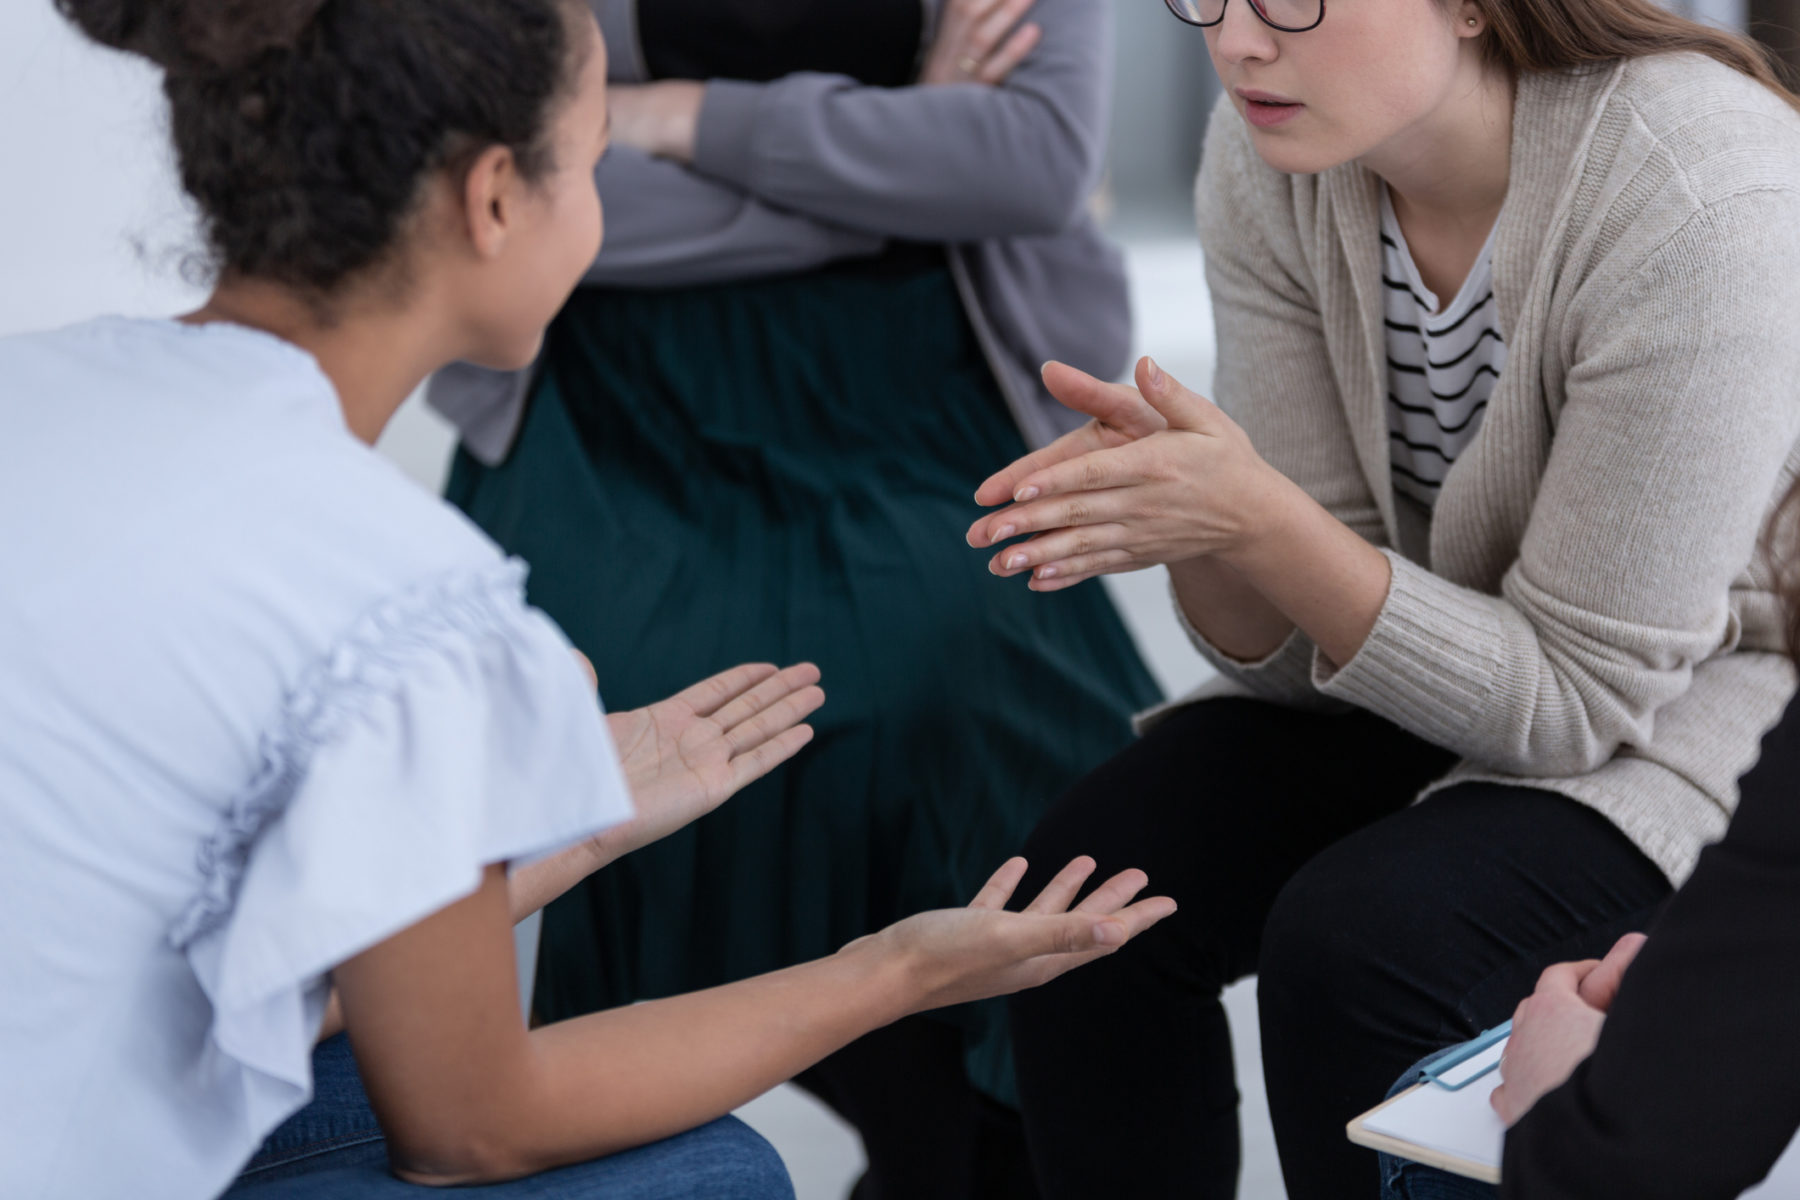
(1403, 1179)
(333, 1148)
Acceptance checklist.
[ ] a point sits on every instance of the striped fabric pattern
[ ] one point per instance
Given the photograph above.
(1442, 363)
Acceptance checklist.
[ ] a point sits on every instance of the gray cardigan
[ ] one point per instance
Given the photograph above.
(814, 168)
(1589, 611)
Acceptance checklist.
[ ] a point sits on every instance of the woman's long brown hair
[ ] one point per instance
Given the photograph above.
(1551, 35)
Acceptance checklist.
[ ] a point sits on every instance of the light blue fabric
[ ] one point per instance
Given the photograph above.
(265, 703)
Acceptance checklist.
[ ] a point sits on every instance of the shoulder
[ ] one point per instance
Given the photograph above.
(1669, 154)
(215, 465)
(1722, 130)
(1676, 137)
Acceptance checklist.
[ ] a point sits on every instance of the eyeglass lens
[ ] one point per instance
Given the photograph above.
(1289, 15)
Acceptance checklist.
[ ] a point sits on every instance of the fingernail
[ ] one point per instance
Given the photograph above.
(1004, 532)
(1154, 372)
(1024, 494)
(1046, 573)
(1015, 562)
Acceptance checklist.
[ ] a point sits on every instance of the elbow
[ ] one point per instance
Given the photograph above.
(459, 1161)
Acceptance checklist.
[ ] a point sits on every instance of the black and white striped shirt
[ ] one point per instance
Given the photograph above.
(1442, 363)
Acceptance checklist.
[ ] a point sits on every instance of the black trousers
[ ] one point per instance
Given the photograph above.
(1379, 931)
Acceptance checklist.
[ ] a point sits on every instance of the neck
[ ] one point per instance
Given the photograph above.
(373, 353)
(1451, 169)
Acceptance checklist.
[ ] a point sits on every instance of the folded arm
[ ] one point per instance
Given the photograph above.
(960, 162)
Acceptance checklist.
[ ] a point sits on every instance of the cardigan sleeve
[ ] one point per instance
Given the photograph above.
(950, 163)
(1274, 374)
(1692, 1092)
(1681, 407)
(668, 226)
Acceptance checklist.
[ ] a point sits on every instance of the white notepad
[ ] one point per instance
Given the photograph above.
(1460, 1132)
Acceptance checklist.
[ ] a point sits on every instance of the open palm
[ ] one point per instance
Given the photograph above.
(685, 756)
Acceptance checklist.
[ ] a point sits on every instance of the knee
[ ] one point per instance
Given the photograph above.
(1335, 941)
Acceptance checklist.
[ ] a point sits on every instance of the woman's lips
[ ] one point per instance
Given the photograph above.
(1266, 110)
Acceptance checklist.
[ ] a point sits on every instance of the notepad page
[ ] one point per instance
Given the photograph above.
(1462, 1123)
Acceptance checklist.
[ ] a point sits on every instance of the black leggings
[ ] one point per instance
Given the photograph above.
(1379, 930)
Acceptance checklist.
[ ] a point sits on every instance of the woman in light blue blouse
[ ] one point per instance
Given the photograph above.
(274, 721)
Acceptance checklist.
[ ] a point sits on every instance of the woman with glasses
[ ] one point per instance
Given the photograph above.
(1508, 383)
(841, 239)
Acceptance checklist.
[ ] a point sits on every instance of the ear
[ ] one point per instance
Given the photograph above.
(490, 201)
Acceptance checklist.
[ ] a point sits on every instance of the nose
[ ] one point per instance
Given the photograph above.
(1241, 36)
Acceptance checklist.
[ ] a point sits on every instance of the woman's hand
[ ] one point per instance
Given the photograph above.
(1558, 1026)
(682, 758)
(980, 41)
(686, 755)
(1161, 475)
(661, 118)
(962, 954)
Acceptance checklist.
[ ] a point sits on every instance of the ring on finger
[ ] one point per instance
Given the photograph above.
(968, 64)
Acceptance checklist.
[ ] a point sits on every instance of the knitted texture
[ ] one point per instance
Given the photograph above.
(1590, 614)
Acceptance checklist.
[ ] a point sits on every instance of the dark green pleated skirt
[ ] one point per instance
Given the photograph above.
(781, 471)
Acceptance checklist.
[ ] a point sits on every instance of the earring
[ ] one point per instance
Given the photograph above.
(1473, 22)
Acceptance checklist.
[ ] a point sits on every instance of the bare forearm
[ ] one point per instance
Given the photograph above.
(1227, 610)
(633, 1075)
(1315, 572)
(529, 888)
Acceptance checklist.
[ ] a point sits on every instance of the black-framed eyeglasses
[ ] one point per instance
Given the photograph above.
(1289, 16)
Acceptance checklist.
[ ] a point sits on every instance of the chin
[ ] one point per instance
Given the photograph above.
(1291, 155)
(514, 354)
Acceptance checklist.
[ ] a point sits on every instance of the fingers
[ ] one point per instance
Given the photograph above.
(780, 716)
(1060, 892)
(993, 26)
(1072, 939)
(709, 695)
(999, 487)
(1004, 61)
(1180, 407)
(1113, 895)
(770, 690)
(752, 765)
(1566, 977)
(1057, 549)
(1601, 986)
(1000, 886)
(1069, 504)
(1071, 571)
(1118, 405)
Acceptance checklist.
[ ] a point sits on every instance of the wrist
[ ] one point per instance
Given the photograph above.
(892, 972)
(680, 104)
(1274, 509)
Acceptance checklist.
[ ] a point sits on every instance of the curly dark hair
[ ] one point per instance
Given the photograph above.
(305, 128)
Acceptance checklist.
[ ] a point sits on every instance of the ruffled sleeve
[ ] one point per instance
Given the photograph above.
(450, 729)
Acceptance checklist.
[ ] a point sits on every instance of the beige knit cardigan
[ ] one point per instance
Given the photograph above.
(1587, 611)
